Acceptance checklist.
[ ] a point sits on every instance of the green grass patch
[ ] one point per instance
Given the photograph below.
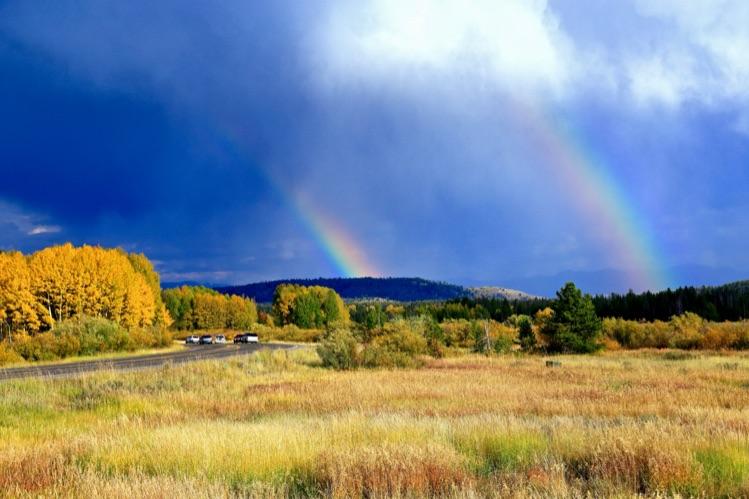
(725, 470)
(492, 451)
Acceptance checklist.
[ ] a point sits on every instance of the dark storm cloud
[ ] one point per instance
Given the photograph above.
(183, 130)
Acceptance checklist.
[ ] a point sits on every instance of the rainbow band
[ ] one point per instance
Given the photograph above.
(598, 198)
(348, 256)
(343, 252)
(591, 186)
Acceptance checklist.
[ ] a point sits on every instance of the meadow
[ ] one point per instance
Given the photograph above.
(276, 424)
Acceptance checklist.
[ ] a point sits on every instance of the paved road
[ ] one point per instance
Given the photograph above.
(189, 354)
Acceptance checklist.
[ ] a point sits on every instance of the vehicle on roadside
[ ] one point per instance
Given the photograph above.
(192, 340)
(220, 339)
(246, 338)
(206, 339)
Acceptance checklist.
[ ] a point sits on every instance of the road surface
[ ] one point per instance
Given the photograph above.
(189, 354)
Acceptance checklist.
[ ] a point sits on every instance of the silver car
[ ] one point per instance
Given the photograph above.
(220, 339)
(192, 340)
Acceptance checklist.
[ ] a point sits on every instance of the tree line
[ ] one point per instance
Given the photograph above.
(729, 302)
(198, 307)
(62, 282)
(308, 306)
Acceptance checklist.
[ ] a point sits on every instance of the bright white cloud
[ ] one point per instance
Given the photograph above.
(43, 229)
(516, 44)
(675, 52)
(701, 54)
(24, 222)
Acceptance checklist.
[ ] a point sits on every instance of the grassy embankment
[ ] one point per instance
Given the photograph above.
(176, 346)
(275, 424)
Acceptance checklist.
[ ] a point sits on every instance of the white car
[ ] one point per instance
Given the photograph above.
(192, 340)
(220, 339)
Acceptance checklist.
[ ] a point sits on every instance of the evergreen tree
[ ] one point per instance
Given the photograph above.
(575, 327)
(526, 336)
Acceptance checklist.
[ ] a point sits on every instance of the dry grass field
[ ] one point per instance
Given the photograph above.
(276, 424)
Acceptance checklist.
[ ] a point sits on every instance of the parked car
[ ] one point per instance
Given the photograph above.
(246, 338)
(206, 339)
(220, 339)
(192, 340)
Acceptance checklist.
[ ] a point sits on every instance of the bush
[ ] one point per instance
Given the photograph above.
(8, 355)
(42, 346)
(339, 350)
(288, 333)
(502, 344)
(399, 346)
(379, 356)
(149, 338)
(86, 336)
(688, 331)
(95, 334)
(401, 336)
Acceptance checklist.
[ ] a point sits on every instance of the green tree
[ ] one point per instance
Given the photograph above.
(574, 327)
(482, 342)
(308, 306)
(526, 336)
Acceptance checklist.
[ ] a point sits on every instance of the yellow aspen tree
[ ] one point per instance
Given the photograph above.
(19, 310)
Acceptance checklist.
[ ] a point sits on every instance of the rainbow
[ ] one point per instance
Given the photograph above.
(597, 197)
(339, 246)
(587, 179)
(344, 252)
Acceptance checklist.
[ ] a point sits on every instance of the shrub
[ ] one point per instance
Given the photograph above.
(339, 350)
(379, 356)
(435, 337)
(502, 344)
(38, 347)
(688, 331)
(87, 336)
(149, 338)
(8, 355)
(95, 334)
(399, 344)
(457, 332)
(288, 333)
(402, 336)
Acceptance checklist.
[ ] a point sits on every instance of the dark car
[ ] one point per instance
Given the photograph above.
(206, 339)
(246, 338)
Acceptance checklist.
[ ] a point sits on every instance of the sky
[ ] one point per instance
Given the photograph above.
(516, 143)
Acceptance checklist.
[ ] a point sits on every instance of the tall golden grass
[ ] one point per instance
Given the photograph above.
(276, 425)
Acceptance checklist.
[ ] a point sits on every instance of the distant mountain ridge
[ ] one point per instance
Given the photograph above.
(388, 288)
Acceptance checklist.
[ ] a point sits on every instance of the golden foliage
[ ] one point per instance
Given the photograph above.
(61, 282)
(19, 311)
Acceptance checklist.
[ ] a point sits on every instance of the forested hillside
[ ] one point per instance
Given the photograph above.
(729, 302)
(404, 289)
